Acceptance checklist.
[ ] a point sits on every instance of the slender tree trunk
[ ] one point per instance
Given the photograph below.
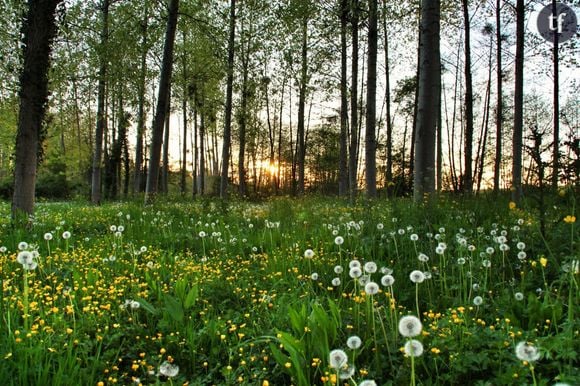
(301, 142)
(228, 108)
(429, 94)
(468, 176)
(556, 144)
(183, 186)
(162, 102)
(499, 103)
(39, 29)
(439, 148)
(202, 154)
(242, 123)
(165, 153)
(370, 132)
(343, 161)
(352, 168)
(101, 118)
(389, 166)
(138, 175)
(518, 104)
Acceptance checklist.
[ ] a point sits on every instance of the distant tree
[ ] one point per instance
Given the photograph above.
(39, 29)
(343, 159)
(499, 96)
(467, 180)
(428, 100)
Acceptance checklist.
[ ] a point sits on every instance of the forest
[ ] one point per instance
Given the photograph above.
(266, 98)
(289, 192)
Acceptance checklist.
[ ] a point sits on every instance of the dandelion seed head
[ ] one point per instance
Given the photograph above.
(410, 326)
(22, 245)
(337, 359)
(414, 237)
(417, 276)
(66, 235)
(354, 263)
(339, 240)
(478, 301)
(314, 276)
(168, 370)
(336, 281)
(519, 296)
(372, 288)
(355, 272)
(413, 348)
(527, 352)
(423, 258)
(354, 342)
(367, 382)
(48, 236)
(309, 253)
(370, 267)
(387, 280)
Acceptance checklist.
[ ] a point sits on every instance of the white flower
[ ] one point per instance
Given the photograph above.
(355, 272)
(521, 245)
(346, 372)
(522, 255)
(386, 271)
(314, 276)
(380, 226)
(336, 281)
(486, 263)
(24, 257)
(169, 370)
(413, 348)
(113, 228)
(339, 240)
(387, 280)
(417, 276)
(410, 326)
(371, 288)
(338, 269)
(461, 261)
(368, 382)
(66, 235)
(309, 253)
(338, 359)
(30, 266)
(354, 263)
(120, 228)
(423, 258)
(489, 250)
(504, 247)
(370, 267)
(519, 296)
(48, 236)
(527, 352)
(363, 280)
(202, 234)
(414, 237)
(143, 249)
(3, 249)
(478, 301)
(22, 245)
(353, 342)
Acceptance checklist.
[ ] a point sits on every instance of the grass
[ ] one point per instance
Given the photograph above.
(208, 293)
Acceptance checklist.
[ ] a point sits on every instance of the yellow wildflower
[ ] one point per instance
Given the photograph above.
(543, 261)
(570, 219)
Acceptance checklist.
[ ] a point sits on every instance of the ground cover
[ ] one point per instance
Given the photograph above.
(305, 291)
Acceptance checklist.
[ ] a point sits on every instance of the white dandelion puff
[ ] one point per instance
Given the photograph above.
(410, 326)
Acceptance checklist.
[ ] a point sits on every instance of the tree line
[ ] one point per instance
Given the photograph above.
(272, 97)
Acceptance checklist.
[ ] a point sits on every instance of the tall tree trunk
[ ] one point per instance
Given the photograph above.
(202, 154)
(518, 104)
(485, 126)
(101, 118)
(138, 175)
(301, 142)
(468, 176)
(39, 29)
(165, 152)
(242, 123)
(370, 132)
(353, 160)
(429, 94)
(499, 103)
(162, 102)
(556, 107)
(343, 161)
(183, 187)
(389, 166)
(228, 108)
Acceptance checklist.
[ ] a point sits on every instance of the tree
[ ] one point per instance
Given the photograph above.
(467, 181)
(101, 119)
(518, 104)
(342, 163)
(39, 29)
(228, 108)
(370, 132)
(556, 107)
(428, 100)
(162, 102)
(138, 173)
(499, 103)
(353, 150)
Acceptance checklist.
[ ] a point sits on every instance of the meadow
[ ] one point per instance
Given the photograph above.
(308, 291)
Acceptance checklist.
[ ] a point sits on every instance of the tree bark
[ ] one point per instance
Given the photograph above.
(301, 142)
(370, 132)
(162, 102)
(467, 185)
(556, 107)
(39, 29)
(428, 101)
(499, 103)
(138, 174)
(343, 162)
(228, 108)
(353, 160)
(389, 166)
(518, 104)
(101, 114)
